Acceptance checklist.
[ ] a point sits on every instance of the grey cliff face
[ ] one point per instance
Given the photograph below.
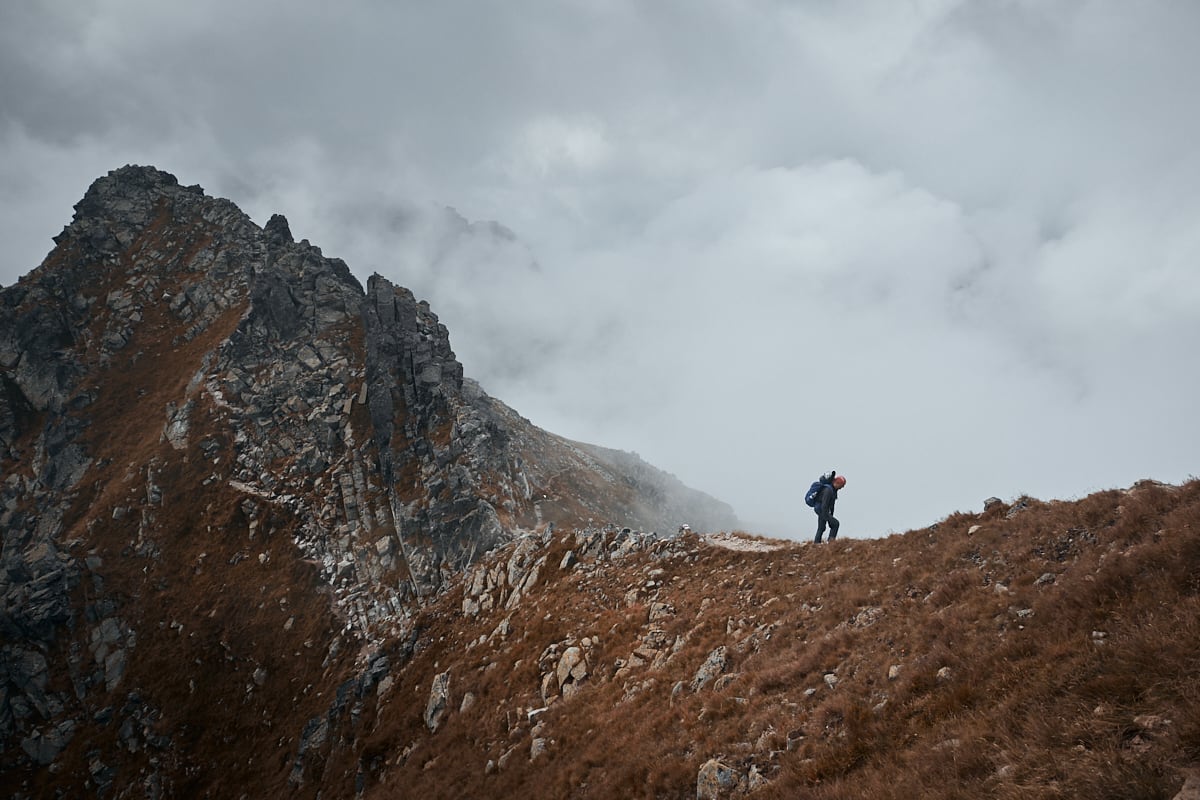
(176, 381)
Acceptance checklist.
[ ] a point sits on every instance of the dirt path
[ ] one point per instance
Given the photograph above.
(734, 542)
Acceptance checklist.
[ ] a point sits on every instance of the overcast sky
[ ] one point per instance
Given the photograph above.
(950, 248)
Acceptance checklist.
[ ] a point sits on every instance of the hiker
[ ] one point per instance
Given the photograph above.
(822, 496)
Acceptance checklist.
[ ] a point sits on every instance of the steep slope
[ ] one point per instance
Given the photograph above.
(1036, 650)
(229, 473)
(262, 537)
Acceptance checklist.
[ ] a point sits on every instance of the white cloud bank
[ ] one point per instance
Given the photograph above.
(948, 248)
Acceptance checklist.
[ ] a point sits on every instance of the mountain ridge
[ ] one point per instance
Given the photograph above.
(263, 536)
(1032, 650)
(174, 379)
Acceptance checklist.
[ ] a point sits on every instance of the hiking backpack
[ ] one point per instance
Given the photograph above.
(814, 491)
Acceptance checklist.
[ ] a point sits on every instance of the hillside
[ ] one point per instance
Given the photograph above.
(1036, 650)
(262, 537)
(229, 473)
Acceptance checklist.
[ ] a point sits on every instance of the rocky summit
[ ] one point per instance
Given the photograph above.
(262, 537)
(209, 432)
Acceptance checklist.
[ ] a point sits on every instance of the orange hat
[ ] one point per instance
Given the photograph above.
(839, 481)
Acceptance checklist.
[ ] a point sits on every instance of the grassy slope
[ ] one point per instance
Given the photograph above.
(1053, 652)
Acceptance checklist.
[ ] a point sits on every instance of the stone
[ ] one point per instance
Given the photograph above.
(1151, 723)
(1191, 785)
(114, 668)
(754, 779)
(550, 687)
(717, 781)
(44, 748)
(439, 697)
(724, 681)
(655, 639)
(178, 423)
(277, 230)
(309, 358)
(715, 664)
(1017, 508)
(644, 653)
(659, 611)
(572, 667)
(27, 669)
(866, 617)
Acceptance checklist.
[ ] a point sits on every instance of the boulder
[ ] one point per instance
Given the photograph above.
(439, 699)
(717, 781)
(714, 665)
(43, 747)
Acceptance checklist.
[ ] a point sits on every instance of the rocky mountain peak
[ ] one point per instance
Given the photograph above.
(261, 536)
(277, 230)
(206, 426)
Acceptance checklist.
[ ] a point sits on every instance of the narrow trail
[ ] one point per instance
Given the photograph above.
(731, 541)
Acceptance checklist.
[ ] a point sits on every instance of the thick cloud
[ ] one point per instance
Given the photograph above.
(946, 247)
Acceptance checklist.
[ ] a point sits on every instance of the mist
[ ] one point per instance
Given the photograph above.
(949, 249)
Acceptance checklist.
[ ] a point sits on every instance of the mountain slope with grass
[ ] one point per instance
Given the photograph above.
(262, 537)
(228, 474)
(1036, 650)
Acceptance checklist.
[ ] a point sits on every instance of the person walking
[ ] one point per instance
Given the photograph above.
(826, 497)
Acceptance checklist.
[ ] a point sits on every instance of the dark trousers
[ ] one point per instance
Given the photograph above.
(822, 520)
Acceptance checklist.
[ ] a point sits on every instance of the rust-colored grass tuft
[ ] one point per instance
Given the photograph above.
(1051, 653)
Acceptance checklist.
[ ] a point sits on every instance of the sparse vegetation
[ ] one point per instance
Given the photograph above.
(1052, 652)
(237, 512)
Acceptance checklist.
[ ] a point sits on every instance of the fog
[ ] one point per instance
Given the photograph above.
(949, 249)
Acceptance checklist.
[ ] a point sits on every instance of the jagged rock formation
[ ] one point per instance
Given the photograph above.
(261, 537)
(191, 405)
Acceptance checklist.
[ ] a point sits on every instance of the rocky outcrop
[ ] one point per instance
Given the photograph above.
(205, 425)
(439, 697)
(713, 666)
(719, 781)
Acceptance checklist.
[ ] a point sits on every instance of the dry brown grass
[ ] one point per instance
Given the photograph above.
(1030, 702)
(207, 613)
(1052, 653)
(1001, 692)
